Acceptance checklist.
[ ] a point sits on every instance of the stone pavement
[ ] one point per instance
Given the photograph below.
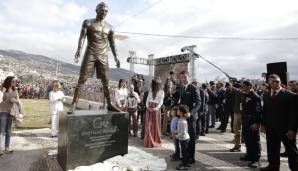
(31, 149)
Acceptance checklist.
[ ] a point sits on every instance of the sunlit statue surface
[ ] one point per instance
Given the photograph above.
(100, 36)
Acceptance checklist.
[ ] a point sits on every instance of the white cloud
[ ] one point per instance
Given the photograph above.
(51, 27)
(45, 13)
(216, 18)
(42, 27)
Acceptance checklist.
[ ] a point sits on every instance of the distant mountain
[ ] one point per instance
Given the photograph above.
(22, 63)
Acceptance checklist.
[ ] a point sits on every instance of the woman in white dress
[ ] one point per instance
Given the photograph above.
(56, 98)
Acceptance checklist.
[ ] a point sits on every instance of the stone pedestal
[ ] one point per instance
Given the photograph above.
(88, 137)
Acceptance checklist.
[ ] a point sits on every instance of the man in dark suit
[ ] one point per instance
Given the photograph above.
(280, 122)
(188, 94)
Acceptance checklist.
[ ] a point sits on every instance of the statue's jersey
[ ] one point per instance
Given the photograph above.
(98, 43)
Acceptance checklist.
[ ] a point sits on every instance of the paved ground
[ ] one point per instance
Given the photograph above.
(32, 147)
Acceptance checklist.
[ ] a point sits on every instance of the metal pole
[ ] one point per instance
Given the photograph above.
(56, 69)
(193, 67)
(132, 54)
(151, 67)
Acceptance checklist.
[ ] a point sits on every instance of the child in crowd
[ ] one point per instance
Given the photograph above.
(183, 136)
(174, 122)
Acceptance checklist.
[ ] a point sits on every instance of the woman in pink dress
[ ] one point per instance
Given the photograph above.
(152, 117)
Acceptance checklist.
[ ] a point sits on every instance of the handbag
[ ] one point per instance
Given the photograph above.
(17, 111)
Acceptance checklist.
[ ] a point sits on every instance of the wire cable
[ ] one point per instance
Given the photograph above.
(217, 67)
(138, 13)
(206, 37)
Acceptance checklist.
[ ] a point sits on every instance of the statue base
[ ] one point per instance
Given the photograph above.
(87, 137)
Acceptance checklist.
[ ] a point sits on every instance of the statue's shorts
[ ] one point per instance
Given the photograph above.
(91, 65)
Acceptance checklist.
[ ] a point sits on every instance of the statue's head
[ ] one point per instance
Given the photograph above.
(101, 10)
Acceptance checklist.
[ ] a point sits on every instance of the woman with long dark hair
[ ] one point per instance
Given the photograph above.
(10, 96)
(152, 118)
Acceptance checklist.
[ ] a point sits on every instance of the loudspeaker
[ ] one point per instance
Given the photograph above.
(279, 68)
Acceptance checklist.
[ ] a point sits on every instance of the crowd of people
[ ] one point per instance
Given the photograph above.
(41, 90)
(184, 110)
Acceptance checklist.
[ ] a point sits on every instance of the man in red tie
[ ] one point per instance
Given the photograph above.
(279, 120)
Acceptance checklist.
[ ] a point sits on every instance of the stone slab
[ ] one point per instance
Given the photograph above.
(88, 136)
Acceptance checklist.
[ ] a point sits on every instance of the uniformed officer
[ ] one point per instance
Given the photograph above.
(251, 118)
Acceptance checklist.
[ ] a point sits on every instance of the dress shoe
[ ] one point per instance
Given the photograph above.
(206, 132)
(165, 134)
(181, 167)
(269, 168)
(8, 151)
(244, 158)
(284, 154)
(219, 128)
(223, 130)
(254, 164)
(174, 159)
(212, 126)
(202, 134)
(191, 161)
(235, 149)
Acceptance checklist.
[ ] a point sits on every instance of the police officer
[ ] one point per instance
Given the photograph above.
(251, 118)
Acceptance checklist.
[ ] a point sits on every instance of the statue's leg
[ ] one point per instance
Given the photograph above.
(102, 74)
(87, 68)
(77, 94)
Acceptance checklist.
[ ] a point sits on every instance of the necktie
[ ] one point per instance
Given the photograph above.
(183, 90)
(273, 94)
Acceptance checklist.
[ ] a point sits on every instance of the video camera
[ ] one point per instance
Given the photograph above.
(236, 83)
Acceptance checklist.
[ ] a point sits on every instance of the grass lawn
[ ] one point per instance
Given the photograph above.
(36, 114)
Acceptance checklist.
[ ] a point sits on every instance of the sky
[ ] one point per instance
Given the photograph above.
(52, 27)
